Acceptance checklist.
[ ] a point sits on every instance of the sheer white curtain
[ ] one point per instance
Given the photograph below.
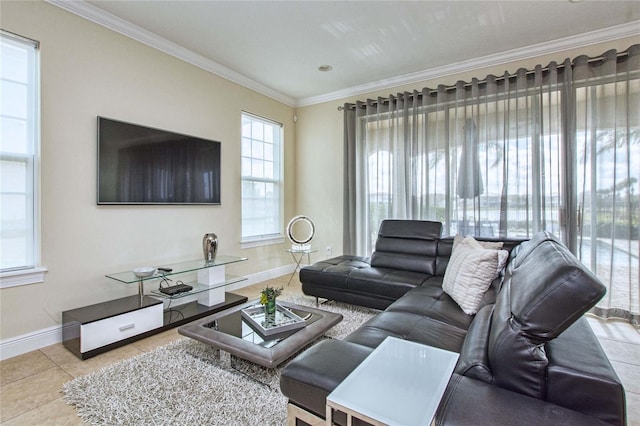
(607, 98)
(482, 157)
(501, 157)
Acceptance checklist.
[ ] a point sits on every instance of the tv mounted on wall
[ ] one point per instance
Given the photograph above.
(142, 165)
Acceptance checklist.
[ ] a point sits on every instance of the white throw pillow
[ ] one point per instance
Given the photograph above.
(496, 245)
(470, 271)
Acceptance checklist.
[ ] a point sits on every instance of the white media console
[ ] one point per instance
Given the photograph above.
(91, 330)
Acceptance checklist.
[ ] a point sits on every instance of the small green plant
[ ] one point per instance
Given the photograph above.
(270, 294)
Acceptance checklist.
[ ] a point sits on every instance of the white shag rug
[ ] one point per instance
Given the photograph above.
(187, 383)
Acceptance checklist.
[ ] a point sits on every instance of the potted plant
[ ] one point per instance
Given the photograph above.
(268, 298)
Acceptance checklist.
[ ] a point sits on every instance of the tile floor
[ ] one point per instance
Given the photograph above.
(31, 383)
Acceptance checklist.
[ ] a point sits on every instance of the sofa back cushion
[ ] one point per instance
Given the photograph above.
(545, 290)
(517, 363)
(409, 245)
(552, 289)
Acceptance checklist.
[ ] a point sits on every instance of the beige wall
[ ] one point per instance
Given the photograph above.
(86, 71)
(319, 134)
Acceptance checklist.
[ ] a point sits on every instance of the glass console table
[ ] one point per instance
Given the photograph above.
(90, 330)
(211, 280)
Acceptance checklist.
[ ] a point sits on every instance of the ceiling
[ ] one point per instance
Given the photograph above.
(276, 47)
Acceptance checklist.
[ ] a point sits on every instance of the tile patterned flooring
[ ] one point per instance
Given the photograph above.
(31, 383)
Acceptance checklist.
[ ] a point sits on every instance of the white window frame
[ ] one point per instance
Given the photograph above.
(256, 240)
(31, 272)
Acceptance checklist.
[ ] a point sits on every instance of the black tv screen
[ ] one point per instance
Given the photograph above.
(141, 165)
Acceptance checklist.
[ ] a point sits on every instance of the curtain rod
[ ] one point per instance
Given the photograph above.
(484, 81)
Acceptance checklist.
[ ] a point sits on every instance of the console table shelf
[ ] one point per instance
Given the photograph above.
(128, 277)
(91, 330)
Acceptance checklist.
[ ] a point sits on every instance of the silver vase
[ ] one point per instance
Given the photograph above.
(210, 247)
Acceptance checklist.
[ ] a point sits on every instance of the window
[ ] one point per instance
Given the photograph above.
(555, 148)
(262, 198)
(486, 169)
(19, 144)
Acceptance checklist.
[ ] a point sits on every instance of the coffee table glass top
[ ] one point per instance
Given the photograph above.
(236, 325)
(230, 332)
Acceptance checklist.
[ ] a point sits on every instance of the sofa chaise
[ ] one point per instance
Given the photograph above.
(527, 355)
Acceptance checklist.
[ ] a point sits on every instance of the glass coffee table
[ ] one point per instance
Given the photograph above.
(238, 335)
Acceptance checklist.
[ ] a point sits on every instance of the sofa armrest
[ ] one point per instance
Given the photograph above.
(471, 402)
(580, 376)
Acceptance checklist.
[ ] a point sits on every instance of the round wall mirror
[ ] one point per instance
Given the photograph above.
(301, 230)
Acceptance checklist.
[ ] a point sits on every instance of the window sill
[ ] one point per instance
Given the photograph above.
(247, 244)
(22, 277)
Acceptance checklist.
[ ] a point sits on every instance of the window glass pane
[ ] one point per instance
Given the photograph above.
(246, 147)
(268, 170)
(268, 152)
(15, 63)
(246, 127)
(268, 133)
(246, 166)
(13, 177)
(14, 99)
(257, 150)
(257, 130)
(14, 136)
(16, 231)
(257, 168)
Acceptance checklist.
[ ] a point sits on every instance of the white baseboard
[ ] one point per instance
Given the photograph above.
(263, 276)
(19, 345)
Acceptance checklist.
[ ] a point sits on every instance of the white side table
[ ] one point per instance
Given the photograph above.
(399, 383)
(297, 255)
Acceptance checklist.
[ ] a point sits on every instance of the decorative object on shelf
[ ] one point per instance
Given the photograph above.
(210, 247)
(268, 298)
(145, 271)
(300, 231)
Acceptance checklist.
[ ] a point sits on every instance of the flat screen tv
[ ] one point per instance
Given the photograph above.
(142, 165)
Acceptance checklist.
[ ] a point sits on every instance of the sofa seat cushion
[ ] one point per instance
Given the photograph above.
(334, 271)
(407, 319)
(432, 302)
(409, 327)
(316, 372)
(385, 282)
(467, 401)
(580, 376)
(351, 279)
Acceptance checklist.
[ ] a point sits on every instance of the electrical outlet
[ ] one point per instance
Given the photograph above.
(328, 251)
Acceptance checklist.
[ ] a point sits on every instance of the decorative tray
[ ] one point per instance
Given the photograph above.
(267, 324)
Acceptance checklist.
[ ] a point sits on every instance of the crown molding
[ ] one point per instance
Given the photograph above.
(581, 40)
(112, 22)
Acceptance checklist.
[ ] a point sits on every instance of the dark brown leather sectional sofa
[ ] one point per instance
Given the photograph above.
(528, 357)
